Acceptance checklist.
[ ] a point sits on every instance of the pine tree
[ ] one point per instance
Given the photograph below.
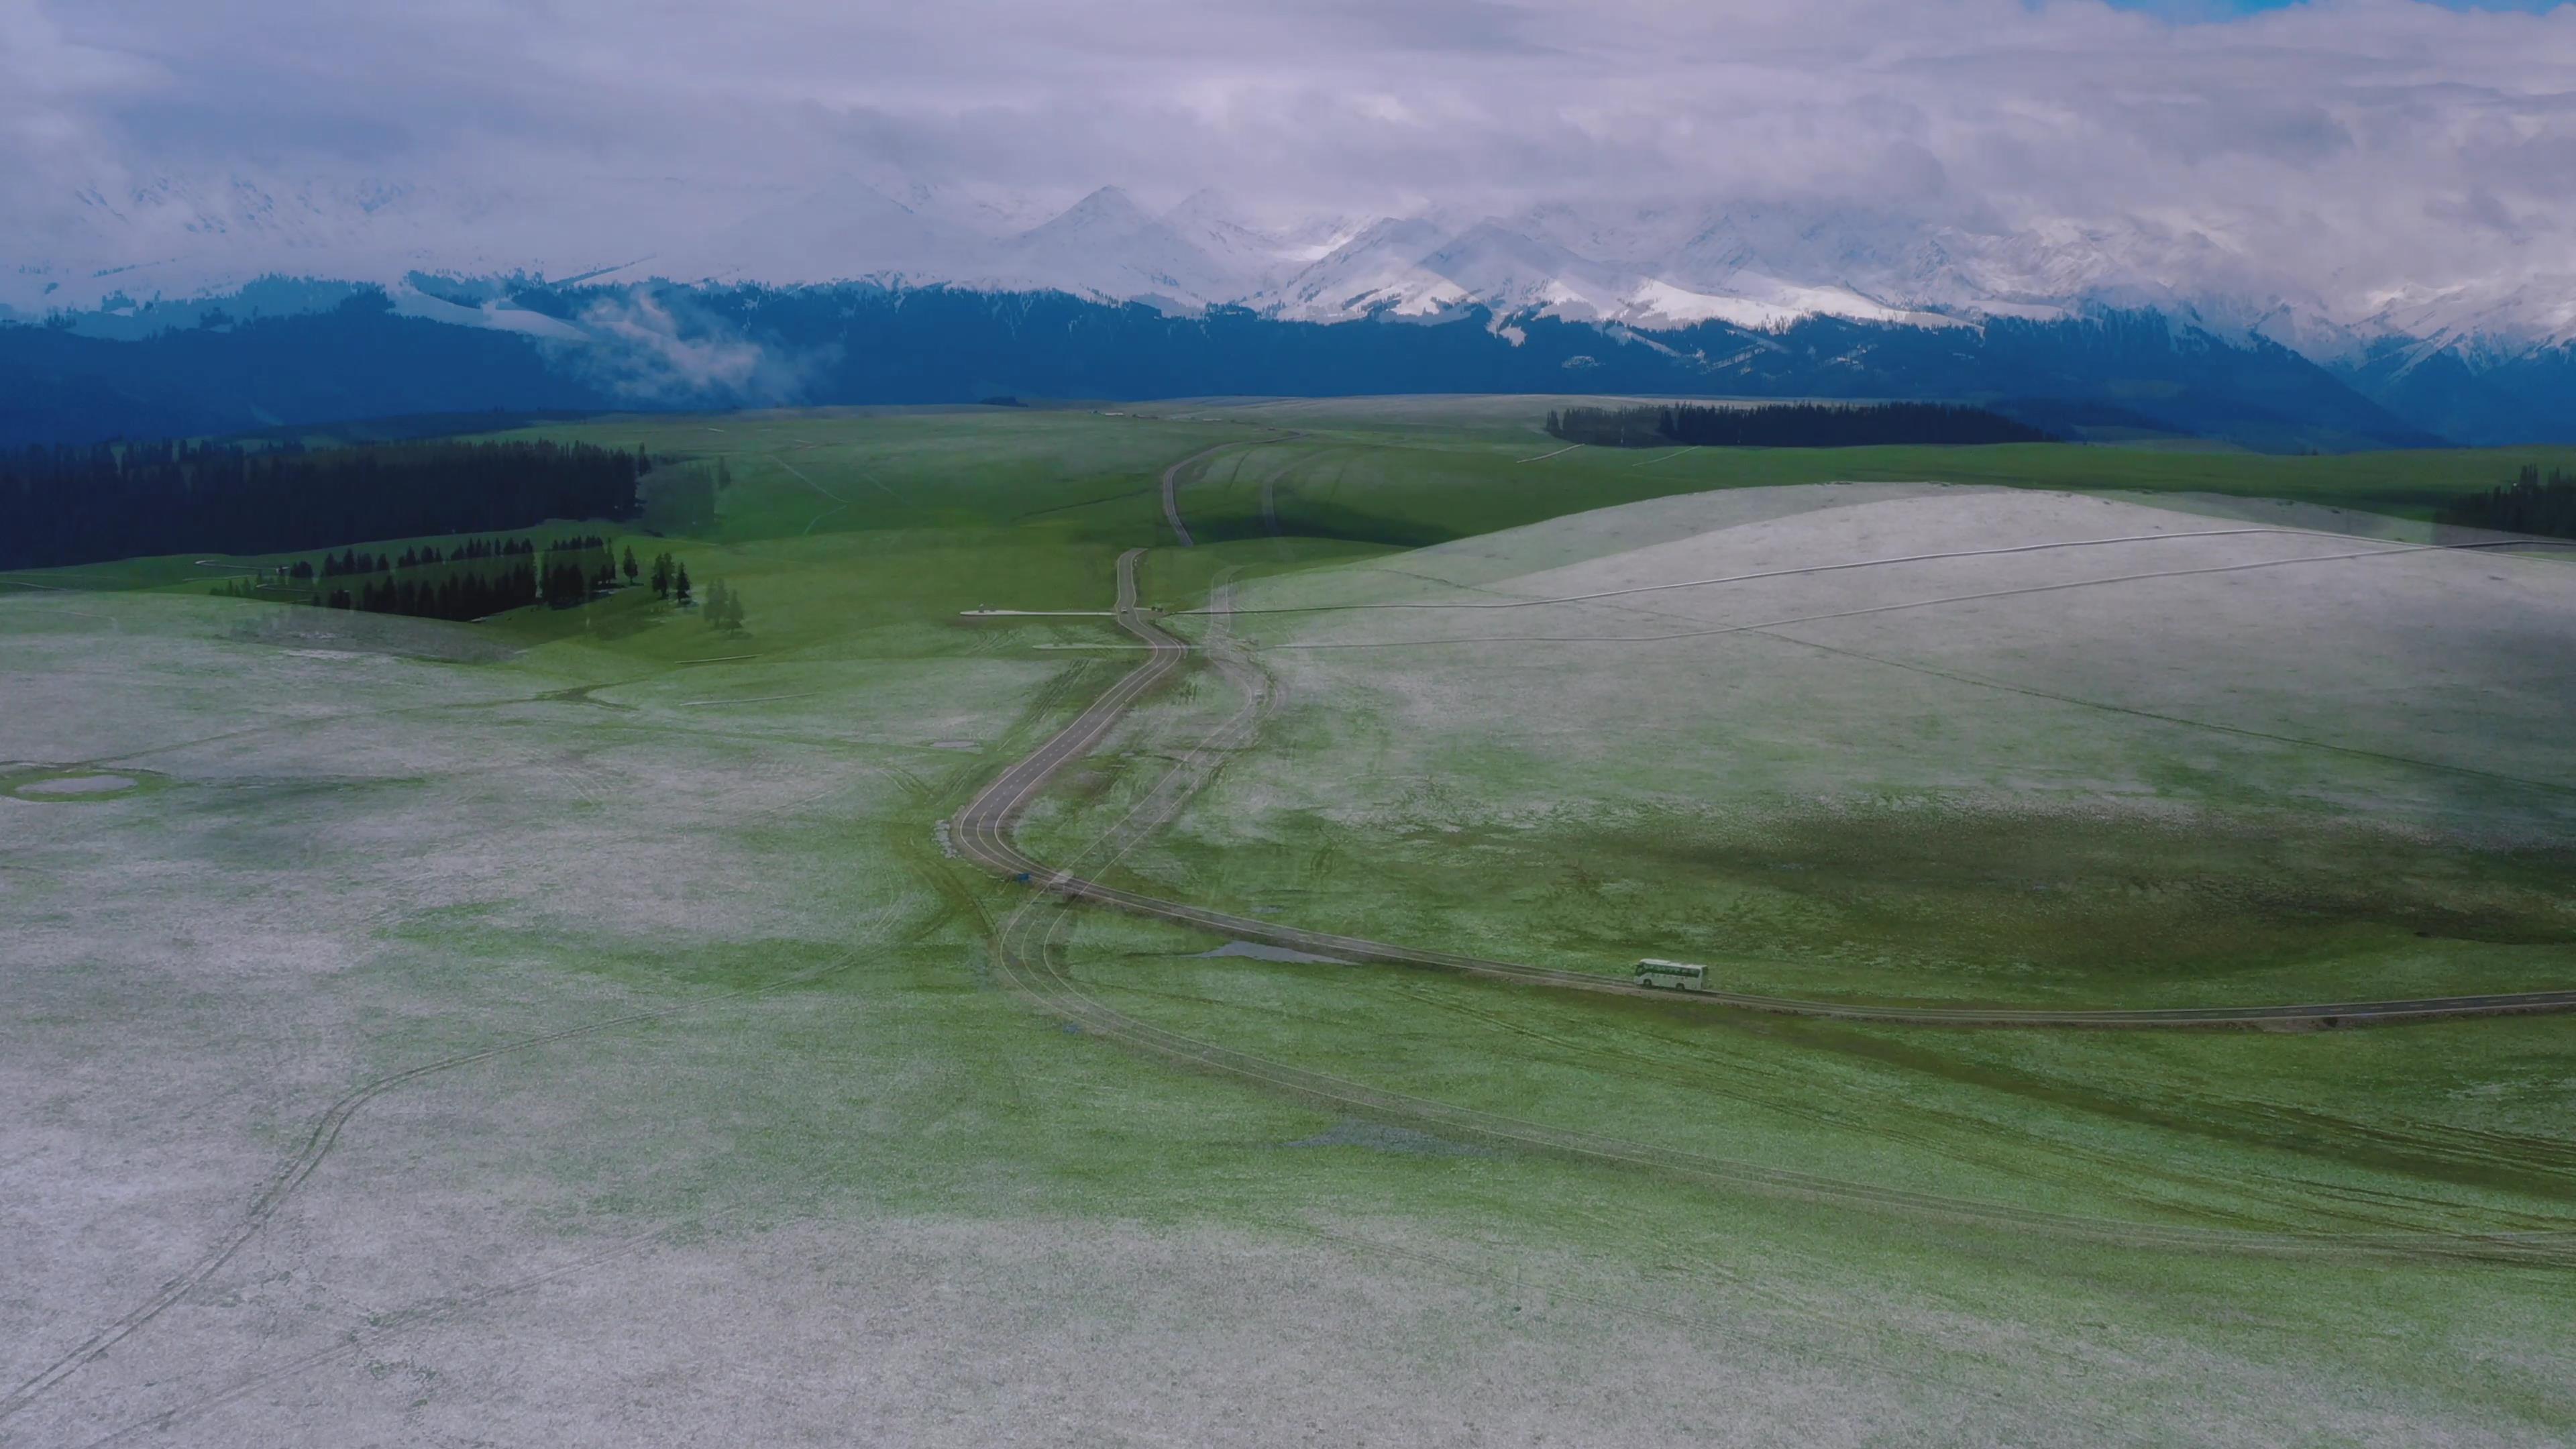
(680, 584)
(723, 607)
(662, 576)
(630, 563)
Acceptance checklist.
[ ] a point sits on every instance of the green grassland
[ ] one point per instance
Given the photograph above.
(558, 816)
(1428, 469)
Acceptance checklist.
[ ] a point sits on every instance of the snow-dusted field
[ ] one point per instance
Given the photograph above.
(1725, 647)
(575, 1228)
(727, 1136)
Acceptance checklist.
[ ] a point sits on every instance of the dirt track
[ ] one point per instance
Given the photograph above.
(1027, 954)
(983, 833)
(1172, 494)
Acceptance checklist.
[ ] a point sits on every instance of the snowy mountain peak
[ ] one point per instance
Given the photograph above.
(1107, 211)
(1668, 263)
(1107, 246)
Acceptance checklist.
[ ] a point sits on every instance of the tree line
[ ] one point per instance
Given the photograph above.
(352, 561)
(1788, 425)
(458, 596)
(67, 505)
(471, 580)
(2528, 504)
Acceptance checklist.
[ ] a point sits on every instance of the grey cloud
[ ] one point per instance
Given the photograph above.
(1442, 27)
(2483, 209)
(2368, 141)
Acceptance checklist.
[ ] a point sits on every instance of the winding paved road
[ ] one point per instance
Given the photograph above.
(983, 832)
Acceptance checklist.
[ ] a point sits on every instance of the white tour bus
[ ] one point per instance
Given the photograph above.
(1672, 975)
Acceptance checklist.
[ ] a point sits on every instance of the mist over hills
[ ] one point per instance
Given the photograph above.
(845, 293)
(600, 347)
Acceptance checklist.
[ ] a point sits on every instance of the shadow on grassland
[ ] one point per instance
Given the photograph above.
(1313, 520)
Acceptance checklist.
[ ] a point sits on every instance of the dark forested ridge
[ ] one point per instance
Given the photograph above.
(2526, 399)
(87, 505)
(358, 360)
(2528, 504)
(859, 343)
(1788, 425)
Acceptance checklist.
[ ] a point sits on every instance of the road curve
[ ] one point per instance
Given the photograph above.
(1027, 955)
(982, 831)
(1172, 489)
(1172, 494)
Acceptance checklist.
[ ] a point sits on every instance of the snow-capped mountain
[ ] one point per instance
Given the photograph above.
(1385, 268)
(1260, 256)
(453, 255)
(1663, 265)
(1107, 246)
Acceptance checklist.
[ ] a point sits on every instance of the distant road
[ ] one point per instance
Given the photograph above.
(982, 831)
(1172, 489)
(1172, 495)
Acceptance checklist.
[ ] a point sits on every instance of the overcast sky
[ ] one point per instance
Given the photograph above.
(2385, 142)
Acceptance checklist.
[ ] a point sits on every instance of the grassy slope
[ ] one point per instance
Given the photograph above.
(1425, 471)
(855, 541)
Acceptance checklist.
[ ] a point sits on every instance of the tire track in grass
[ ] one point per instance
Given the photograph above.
(840, 503)
(986, 819)
(570, 694)
(1171, 484)
(1026, 954)
(421, 1316)
(324, 1135)
(1172, 495)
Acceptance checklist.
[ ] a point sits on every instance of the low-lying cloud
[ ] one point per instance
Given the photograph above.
(657, 350)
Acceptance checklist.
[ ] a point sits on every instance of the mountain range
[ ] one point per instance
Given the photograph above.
(1699, 297)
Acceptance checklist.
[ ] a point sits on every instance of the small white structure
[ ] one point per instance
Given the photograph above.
(1672, 975)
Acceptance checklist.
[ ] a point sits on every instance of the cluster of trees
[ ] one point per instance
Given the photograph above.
(1788, 425)
(68, 505)
(724, 608)
(481, 577)
(2528, 504)
(458, 596)
(576, 567)
(670, 579)
(450, 593)
(350, 561)
(470, 580)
